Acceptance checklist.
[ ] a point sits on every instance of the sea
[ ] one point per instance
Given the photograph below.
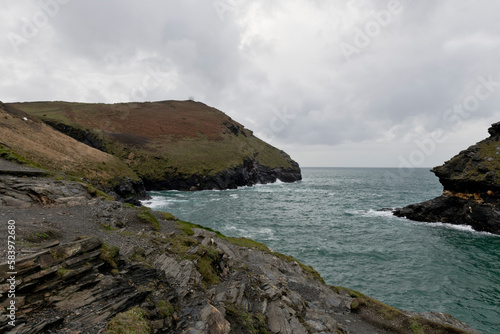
(331, 221)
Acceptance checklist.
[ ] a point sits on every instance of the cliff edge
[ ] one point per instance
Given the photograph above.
(471, 194)
(26, 139)
(181, 145)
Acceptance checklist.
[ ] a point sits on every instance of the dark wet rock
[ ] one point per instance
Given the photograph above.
(482, 215)
(471, 182)
(249, 174)
(128, 190)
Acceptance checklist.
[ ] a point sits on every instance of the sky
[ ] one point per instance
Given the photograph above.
(357, 83)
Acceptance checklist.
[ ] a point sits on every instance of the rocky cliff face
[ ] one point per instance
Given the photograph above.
(248, 174)
(87, 265)
(181, 145)
(471, 182)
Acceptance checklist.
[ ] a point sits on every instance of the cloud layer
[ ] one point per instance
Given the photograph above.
(335, 83)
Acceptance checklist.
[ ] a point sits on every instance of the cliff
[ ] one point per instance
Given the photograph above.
(84, 264)
(471, 194)
(26, 139)
(183, 145)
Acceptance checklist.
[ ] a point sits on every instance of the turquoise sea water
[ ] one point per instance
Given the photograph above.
(329, 221)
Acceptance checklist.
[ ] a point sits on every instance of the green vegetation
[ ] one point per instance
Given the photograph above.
(310, 271)
(131, 321)
(8, 154)
(128, 234)
(41, 236)
(167, 215)
(179, 244)
(139, 255)
(388, 317)
(162, 139)
(248, 243)
(57, 253)
(109, 254)
(254, 323)
(53, 151)
(147, 216)
(187, 229)
(61, 272)
(94, 192)
(108, 227)
(165, 309)
(207, 259)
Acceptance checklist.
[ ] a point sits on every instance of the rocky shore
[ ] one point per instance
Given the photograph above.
(471, 194)
(85, 263)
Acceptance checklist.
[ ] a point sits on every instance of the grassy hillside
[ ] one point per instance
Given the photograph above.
(28, 139)
(167, 137)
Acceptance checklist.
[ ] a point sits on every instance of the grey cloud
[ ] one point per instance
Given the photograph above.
(265, 57)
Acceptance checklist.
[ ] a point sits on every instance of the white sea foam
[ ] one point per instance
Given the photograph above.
(376, 213)
(370, 213)
(464, 228)
(154, 202)
(161, 201)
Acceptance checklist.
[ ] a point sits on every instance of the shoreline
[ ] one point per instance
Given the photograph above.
(223, 278)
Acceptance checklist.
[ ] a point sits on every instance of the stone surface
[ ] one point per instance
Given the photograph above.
(471, 182)
(33, 191)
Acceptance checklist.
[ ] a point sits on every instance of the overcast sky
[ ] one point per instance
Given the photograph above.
(333, 83)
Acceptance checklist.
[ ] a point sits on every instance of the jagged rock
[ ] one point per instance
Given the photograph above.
(26, 192)
(213, 321)
(471, 195)
(249, 174)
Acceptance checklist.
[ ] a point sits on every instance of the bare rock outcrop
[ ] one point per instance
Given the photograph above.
(471, 182)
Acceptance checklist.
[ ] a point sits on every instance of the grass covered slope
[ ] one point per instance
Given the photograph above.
(476, 169)
(26, 138)
(172, 144)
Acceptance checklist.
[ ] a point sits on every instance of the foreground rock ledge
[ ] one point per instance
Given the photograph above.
(87, 265)
(76, 287)
(471, 195)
